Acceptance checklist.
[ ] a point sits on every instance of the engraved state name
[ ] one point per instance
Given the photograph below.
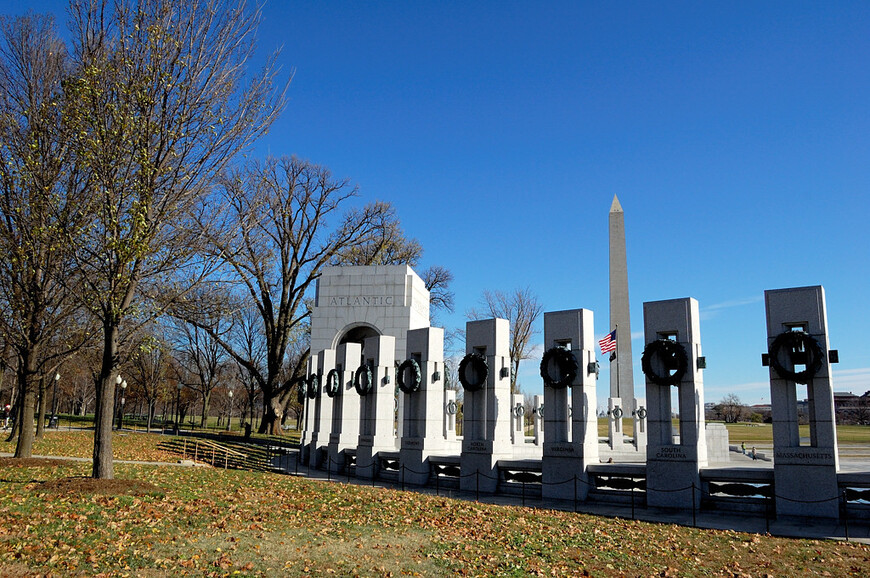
(362, 301)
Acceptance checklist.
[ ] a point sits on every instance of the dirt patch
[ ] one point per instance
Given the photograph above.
(34, 463)
(83, 485)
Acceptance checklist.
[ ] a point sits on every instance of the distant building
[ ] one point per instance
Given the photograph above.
(845, 400)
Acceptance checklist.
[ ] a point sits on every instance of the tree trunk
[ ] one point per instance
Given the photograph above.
(272, 413)
(24, 448)
(105, 404)
(15, 416)
(40, 414)
(203, 422)
(150, 405)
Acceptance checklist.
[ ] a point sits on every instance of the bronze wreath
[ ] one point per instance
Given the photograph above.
(801, 348)
(313, 386)
(474, 363)
(673, 357)
(362, 379)
(565, 364)
(417, 379)
(332, 385)
(300, 390)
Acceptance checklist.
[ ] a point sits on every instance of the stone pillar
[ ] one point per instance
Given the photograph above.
(671, 358)
(377, 406)
(569, 363)
(423, 423)
(319, 451)
(450, 411)
(797, 337)
(639, 416)
(539, 419)
(615, 411)
(311, 381)
(518, 420)
(485, 374)
(345, 405)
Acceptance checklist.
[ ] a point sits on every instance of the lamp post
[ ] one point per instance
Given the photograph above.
(230, 421)
(177, 407)
(54, 401)
(121, 409)
(118, 381)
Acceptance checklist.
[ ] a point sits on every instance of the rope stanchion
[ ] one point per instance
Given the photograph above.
(524, 493)
(403, 477)
(575, 493)
(694, 509)
(477, 484)
(437, 482)
(632, 502)
(846, 514)
(328, 468)
(778, 497)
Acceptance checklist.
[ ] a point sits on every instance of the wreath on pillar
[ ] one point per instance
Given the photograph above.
(565, 365)
(802, 349)
(313, 386)
(413, 384)
(362, 379)
(672, 357)
(473, 372)
(333, 383)
(300, 390)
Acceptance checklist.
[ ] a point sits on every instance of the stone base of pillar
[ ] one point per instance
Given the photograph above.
(563, 477)
(673, 483)
(801, 489)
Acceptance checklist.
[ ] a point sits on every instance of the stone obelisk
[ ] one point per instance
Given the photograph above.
(621, 376)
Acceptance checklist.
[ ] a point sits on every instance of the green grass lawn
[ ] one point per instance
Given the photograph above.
(212, 522)
(762, 433)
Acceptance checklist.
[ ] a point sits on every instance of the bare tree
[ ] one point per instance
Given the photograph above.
(521, 308)
(163, 103)
(388, 246)
(731, 408)
(147, 366)
(38, 199)
(203, 358)
(283, 222)
(437, 280)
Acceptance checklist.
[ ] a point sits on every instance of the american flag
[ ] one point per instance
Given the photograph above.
(608, 342)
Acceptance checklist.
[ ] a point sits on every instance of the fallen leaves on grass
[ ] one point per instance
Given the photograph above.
(201, 521)
(82, 485)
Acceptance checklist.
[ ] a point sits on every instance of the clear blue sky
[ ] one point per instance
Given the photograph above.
(736, 136)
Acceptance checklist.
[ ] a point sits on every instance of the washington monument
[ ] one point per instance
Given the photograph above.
(621, 376)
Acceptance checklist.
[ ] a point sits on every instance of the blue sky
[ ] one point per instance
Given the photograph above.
(736, 135)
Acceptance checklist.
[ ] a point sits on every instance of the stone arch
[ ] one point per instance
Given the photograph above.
(355, 333)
